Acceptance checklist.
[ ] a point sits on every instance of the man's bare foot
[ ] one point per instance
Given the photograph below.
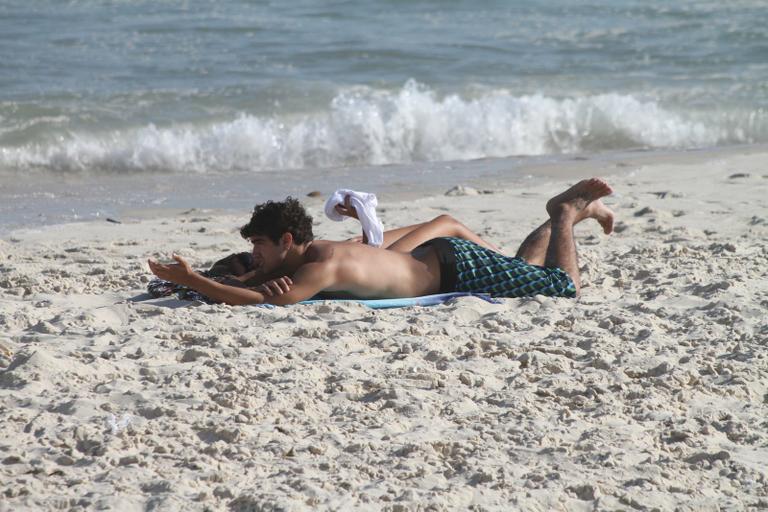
(601, 213)
(576, 200)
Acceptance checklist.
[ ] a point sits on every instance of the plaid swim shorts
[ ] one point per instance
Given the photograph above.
(468, 267)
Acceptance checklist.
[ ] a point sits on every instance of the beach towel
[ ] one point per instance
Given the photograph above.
(158, 288)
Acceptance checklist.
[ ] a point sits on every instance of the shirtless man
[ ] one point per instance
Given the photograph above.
(240, 266)
(283, 245)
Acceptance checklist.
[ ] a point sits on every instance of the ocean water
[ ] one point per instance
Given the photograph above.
(144, 88)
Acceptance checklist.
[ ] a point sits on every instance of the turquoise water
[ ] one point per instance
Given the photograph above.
(98, 87)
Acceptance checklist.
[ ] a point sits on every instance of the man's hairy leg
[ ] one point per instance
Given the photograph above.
(561, 251)
(565, 210)
(534, 248)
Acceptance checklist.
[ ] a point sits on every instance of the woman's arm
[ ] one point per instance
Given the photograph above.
(390, 237)
(309, 280)
(181, 273)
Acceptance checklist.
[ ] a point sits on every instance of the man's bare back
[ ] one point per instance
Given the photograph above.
(333, 268)
(364, 271)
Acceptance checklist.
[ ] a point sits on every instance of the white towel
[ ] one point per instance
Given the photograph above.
(365, 204)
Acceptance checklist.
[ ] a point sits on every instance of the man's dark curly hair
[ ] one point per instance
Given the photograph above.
(273, 219)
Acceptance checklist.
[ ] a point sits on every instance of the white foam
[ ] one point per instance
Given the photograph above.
(365, 126)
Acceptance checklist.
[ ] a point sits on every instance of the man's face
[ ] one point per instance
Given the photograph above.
(267, 255)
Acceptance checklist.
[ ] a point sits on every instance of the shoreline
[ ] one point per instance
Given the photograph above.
(49, 201)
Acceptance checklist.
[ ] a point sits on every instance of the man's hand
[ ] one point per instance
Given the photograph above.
(275, 287)
(179, 272)
(346, 209)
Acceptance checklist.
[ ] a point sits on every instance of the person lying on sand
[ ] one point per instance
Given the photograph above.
(283, 245)
(239, 269)
(240, 266)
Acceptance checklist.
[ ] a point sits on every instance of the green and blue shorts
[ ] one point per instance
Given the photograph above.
(468, 267)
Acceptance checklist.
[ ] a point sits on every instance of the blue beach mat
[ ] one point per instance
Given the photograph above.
(158, 288)
(424, 300)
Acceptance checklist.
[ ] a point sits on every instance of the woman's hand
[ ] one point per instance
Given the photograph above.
(179, 272)
(346, 209)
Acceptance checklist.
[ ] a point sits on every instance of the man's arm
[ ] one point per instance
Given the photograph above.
(308, 281)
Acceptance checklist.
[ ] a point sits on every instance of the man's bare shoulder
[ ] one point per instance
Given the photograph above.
(326, 251)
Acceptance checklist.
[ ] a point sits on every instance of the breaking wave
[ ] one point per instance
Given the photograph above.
(365, 126)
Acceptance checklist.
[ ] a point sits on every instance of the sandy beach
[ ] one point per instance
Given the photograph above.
(650, 392)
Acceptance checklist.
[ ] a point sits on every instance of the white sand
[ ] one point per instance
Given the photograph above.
(648, 393)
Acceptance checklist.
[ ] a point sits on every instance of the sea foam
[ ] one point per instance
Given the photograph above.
(366, 126)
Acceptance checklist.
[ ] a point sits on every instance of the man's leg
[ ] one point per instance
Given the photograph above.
(565, 210)
(534, 248)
